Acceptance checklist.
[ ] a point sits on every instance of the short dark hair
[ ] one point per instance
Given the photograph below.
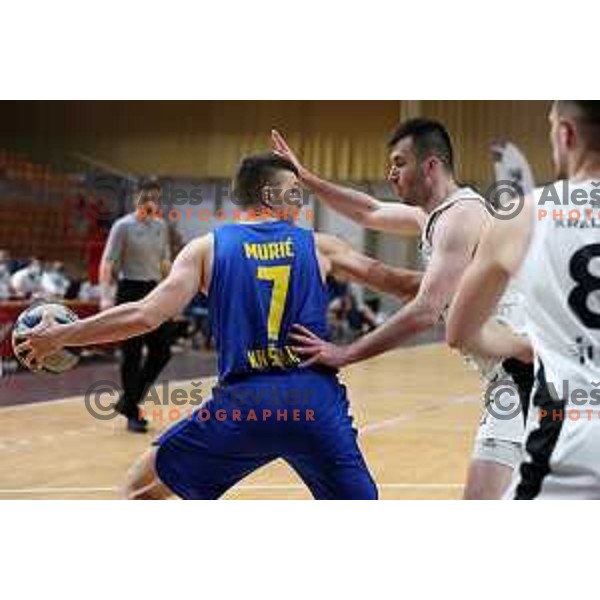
(587, 115)
(429, 138)
(144, 188)
(148, 185)
(254, 173)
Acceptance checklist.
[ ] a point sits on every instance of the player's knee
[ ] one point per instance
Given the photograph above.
(134, 489)
(483, 492)
(129, 491)
(473, 491)
(142, 482)
(487, 480)
(154, 490)
(478, 485)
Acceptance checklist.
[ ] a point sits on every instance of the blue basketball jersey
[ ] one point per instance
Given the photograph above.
(265, 278)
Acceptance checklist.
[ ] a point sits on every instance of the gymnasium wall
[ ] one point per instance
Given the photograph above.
(342, 140)
(473, 126)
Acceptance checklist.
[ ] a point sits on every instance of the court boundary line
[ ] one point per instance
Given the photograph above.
(368, 428)
(80, 397)
(247, 487)
(414, 414)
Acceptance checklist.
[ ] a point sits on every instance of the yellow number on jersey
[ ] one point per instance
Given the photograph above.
(280, 276)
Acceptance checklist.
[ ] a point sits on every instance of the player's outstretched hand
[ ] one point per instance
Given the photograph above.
(39, 343)
(280, 146)
(315, 350)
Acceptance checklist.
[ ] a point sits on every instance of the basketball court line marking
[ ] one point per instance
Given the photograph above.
(248, 487)
(366, 429)
(414, 414)
(79, 398)
(211, 379)
(369, 428)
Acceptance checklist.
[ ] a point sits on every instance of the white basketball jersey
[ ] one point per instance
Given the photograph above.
(462, 194)
(510, 308)
(560, 279)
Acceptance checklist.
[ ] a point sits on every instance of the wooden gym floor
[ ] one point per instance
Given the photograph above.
(417, 410)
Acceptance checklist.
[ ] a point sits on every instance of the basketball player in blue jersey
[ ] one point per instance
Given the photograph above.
(260, 278)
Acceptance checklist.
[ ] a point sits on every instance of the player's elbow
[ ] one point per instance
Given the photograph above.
(428, 313)
(410, 286)
(459, 334)
(429, 319)
(453, 340)
(370, 218)
(455, 337)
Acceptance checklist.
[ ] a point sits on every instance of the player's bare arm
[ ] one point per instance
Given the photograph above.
(499, 341)
(457, 237)
(498, 257)
(358, 206)
(188, 275)
(346, 261)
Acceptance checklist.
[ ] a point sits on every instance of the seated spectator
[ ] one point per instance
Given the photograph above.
(348, 318)
(336, 288)
(89, 292)
(54, 281)
(360, 315)
(5, 287)
(26, 282)
(374, 304)
(7, 262)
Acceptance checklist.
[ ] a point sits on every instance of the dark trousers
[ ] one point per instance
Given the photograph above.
(138, 374)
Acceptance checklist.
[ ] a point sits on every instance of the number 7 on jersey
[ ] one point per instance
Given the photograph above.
(280, 276)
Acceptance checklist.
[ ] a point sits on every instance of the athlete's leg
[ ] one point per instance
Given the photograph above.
(330, 461)
(499, 444)
(158, 343)
(331, 479)
(201, 460)
(142, 482)
(487, 480)
(131, 362)
(493, 462)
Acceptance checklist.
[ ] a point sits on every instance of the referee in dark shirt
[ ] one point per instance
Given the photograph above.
(137, 256)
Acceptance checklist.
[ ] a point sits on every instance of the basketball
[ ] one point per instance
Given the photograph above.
(30, 318)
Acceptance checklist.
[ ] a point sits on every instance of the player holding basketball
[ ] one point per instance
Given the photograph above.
(554, 259)
(260, 278)
(450, 220)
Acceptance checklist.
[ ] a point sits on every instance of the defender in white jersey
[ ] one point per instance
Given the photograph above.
(552, 249)
(451, 220)
(498, 440)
